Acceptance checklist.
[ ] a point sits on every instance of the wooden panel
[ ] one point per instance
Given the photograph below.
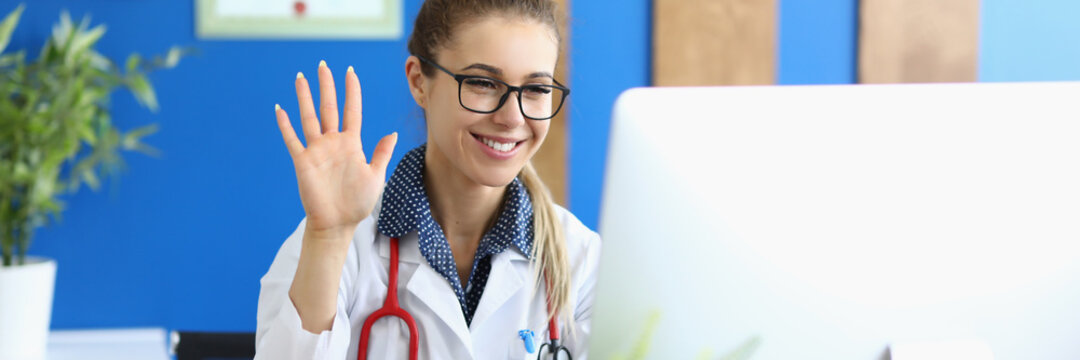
(551, 160)
(904, 41)
(714, 42)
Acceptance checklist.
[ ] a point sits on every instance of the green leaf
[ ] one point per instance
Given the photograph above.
(133, 140)
(90, 178)
(84, 40)
(44, 185)
(86, 133)
(100, 62)
(141, 132)
(144, 93)
(173, 58)
(8, 26)
(145, 149)
(61, 36)
(17, 59)
(133, 61)
(54, 207)
(84, 24)
(21, 173)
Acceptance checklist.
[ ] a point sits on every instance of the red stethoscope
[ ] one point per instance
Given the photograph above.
(392, 308)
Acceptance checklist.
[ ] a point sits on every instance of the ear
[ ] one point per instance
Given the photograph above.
(416, 80)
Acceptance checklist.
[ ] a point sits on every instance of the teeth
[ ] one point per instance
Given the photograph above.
(498, 146)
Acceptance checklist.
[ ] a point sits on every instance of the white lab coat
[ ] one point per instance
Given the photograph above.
(510, 303)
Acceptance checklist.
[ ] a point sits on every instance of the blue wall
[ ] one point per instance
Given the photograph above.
(611, 53)
(818, 42)
(183, 239)
(1033, 40)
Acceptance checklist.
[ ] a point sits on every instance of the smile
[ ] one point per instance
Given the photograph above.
(498, 144)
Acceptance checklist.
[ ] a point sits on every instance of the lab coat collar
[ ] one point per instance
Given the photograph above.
(509, 272)
(429, 287)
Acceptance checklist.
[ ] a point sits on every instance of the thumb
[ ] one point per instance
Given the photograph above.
(381, 157)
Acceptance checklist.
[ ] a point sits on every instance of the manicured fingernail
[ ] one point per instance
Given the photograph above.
(350, 69)
(322, 63)
(277, 107)
(299, 75)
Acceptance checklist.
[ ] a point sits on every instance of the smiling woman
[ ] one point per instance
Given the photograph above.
(487, 259)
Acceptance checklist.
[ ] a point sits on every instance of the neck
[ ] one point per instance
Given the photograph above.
(462, 207)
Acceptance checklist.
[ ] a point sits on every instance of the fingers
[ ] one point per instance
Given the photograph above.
(308, 121)
(287, 132)
(381, 157)
(353, 103)
(327, 99)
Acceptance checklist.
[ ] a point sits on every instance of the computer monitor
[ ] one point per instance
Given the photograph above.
(841, 222)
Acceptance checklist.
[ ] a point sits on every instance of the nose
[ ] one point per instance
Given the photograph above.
(509, 115)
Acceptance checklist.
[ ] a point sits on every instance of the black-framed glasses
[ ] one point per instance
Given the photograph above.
(485, 95)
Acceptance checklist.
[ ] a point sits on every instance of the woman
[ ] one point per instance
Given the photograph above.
(482, 251)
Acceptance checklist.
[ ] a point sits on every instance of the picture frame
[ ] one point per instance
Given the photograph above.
(298, 19)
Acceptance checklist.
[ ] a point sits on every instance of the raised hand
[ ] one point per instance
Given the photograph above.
(338, 186)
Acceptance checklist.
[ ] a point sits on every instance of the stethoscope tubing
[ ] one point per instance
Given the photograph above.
(391, 307)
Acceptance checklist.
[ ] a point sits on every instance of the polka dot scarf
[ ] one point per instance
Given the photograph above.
(405, 208)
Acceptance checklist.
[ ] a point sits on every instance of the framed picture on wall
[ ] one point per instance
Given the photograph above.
(298, 19)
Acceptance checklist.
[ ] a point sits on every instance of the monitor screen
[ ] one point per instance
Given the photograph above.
(839, 222)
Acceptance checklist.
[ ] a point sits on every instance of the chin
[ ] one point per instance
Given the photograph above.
(495, 177)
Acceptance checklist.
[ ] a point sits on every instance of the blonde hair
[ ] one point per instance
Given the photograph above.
(550, 261)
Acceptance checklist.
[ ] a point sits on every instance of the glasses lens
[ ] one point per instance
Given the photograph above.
(541, 101)
(481, 94)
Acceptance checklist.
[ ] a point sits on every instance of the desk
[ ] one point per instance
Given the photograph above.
(111, 344)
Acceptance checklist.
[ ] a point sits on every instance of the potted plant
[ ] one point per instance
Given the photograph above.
(54, 120)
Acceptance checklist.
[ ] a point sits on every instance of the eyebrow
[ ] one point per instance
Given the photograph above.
(498, 72)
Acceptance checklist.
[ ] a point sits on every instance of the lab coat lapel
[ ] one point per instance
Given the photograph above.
(509, 271)
(430, 288)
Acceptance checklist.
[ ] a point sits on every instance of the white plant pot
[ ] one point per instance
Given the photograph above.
(26, 295)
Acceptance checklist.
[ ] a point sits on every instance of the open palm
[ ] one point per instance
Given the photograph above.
(338, 186)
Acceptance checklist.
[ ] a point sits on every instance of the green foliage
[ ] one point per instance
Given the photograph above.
(54, 115)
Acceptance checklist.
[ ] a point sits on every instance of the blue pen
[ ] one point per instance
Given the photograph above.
(527, 337)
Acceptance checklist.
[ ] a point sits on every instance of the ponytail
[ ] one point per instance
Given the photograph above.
(550, 261)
